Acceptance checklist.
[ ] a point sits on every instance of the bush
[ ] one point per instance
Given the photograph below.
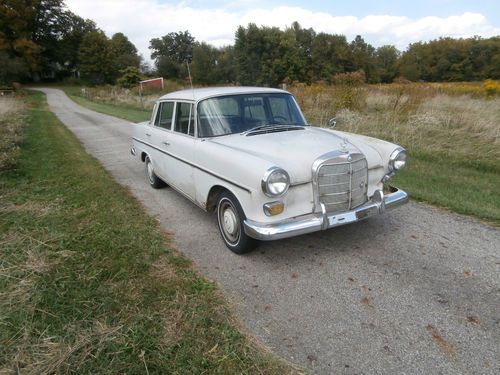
(130, 76)
(491, 87)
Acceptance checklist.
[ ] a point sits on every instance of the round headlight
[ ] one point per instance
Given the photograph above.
(275, 182)
(397, 160)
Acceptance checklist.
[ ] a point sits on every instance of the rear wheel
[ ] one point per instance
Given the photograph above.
(153, 179)
(230, 217)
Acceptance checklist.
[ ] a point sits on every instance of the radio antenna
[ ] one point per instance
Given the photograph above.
(190, 80)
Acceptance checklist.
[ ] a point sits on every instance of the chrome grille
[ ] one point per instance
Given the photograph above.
(342, 185)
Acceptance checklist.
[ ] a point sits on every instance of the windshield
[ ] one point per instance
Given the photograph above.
(238, 113)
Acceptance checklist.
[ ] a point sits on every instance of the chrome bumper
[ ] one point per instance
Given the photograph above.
(321, 221)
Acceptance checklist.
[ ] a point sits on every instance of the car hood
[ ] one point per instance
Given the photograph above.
(295, 151)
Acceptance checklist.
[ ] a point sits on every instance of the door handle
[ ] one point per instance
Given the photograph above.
(148, 134)
(166, 143)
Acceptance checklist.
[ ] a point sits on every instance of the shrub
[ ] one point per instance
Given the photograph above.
(491, 87)
(130, 76)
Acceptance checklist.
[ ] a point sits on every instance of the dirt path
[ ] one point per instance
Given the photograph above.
(415, 291)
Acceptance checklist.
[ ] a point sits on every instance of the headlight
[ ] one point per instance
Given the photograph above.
(275, 182)
(397, 160)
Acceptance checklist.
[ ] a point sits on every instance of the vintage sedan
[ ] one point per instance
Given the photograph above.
(249, 154)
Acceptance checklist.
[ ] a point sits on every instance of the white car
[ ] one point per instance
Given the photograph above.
(248, 154)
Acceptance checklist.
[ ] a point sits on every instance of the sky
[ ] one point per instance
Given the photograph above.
(379, 22)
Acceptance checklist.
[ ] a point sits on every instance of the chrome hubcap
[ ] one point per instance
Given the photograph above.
(229, 222)
(149, 169)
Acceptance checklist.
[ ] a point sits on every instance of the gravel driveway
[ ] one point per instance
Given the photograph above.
(415, 291)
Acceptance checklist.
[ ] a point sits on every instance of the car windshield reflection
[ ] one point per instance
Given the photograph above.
(240, 113)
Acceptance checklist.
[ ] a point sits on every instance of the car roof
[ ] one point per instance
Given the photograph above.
(208, 92)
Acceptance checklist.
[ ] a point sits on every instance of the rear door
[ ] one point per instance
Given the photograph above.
(181, 146)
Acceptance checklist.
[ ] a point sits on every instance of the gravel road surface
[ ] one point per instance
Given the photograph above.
(415, 291)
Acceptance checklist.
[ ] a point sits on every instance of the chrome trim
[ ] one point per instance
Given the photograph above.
(393, 157)
(333, 158)
(391, 170)
(320, 221)
(132, 151)
(264, 180)
(193, 165)
(267, 207)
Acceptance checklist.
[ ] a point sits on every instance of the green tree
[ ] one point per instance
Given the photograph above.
(363, 57)
(130, 76)
(387, 63)
(124, 51)
(171, 52)
(331, 55)
(96, 58)
(20, 54)
(75, 28)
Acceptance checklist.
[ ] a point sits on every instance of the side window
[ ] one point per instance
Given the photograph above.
(184, 119)
(164, 117)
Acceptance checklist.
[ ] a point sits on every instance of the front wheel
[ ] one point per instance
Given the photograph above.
(153, 179)
(230, 217)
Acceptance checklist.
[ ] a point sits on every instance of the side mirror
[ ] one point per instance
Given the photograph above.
(332, 122)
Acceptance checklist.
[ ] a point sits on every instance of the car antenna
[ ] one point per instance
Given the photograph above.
(190, 80)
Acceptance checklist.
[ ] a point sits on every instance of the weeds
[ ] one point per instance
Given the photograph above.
(11, 131)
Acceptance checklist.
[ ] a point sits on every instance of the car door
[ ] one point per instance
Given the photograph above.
(181, 144)
(159, 139)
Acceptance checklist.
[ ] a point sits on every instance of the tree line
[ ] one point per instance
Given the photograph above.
(41, 39)
(271, 56)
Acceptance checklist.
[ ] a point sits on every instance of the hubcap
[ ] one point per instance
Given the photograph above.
(149, 169)
(229, 222)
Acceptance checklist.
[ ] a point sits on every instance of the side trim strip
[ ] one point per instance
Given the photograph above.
(193, 165)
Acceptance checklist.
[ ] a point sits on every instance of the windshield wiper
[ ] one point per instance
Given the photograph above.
(271, 127)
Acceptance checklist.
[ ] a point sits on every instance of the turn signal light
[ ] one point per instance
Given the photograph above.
(273, 208)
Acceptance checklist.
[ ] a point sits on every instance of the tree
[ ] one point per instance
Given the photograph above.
(74, 30)
(363, 57)
(171, 52)
(124, 51)
(331, 55)
(20, 53)
(387, 63)
(130, 76)
(96, 59)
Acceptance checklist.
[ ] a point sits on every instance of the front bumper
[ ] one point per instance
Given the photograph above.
(321, 221)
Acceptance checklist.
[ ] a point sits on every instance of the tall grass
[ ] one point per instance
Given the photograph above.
(453, 138)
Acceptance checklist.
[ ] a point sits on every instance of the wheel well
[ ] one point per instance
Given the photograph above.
(143, 156)
(212, 196)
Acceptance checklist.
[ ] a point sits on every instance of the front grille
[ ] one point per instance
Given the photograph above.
(342, 185)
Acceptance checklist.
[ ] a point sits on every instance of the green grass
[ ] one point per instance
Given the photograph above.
(125, 112)
(453, 184)
(89, 283)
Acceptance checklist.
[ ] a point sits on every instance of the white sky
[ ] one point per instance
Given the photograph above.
(142, 20)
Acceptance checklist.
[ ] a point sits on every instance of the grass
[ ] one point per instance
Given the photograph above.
(131, 113)
(11, 131)
(88, 281)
